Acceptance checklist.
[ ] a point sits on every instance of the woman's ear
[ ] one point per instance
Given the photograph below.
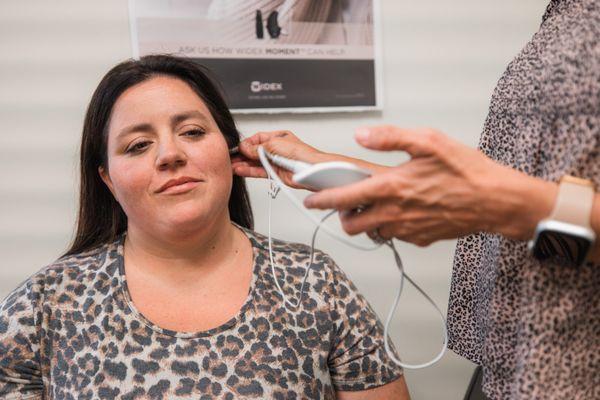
(105, 176)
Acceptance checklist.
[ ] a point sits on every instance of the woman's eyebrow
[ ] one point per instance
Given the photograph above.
(143, 127)
(178, 118)
(175, 119)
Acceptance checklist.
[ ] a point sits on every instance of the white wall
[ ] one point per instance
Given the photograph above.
(441, 62)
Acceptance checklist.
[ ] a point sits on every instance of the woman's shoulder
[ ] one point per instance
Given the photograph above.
(297, 255)
(261, 241)
(285, 248)
(70, 273)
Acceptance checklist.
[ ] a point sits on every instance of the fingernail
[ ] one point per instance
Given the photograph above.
(362, 134)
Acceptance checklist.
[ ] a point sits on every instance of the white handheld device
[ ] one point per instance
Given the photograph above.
(321, 175)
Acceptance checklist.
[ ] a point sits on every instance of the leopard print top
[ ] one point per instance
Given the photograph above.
(535, 327)
(71, 331)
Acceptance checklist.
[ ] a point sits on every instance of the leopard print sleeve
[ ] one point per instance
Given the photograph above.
(20, 372)
(358, 360)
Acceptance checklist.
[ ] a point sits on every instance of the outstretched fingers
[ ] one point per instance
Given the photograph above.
(416, 142)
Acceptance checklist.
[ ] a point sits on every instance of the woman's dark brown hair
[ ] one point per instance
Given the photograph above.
(101, 219)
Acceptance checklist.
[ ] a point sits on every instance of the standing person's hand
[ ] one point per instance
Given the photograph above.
(286, 144)
(283, 143)
(446, 190)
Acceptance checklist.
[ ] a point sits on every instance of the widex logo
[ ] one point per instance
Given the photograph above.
(257, 86)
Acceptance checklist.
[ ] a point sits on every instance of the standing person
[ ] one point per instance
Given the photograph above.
(531, 319)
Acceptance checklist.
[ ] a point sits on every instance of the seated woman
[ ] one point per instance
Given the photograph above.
(166, 292)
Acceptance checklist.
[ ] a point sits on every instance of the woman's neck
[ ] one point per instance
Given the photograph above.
(185, 257)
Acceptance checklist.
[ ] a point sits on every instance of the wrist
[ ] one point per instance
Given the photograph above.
(518, 202)
(595, 219)
(326, 157)
(595, 222)
(321, 156)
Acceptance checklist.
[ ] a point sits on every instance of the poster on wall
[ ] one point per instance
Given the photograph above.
(272, 55)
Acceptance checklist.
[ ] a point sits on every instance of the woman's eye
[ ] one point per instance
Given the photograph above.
(194, 132)
(137, 147)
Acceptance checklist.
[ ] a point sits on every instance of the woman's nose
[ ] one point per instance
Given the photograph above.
(170, 155)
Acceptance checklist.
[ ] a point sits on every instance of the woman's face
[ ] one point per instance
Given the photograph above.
(168, 162)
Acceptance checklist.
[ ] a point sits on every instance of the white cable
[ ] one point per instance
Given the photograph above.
(272, 193)
(390, 316)
(310, 260)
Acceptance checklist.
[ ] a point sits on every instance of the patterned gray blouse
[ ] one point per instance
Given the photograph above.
(535, 328)
(71, 331)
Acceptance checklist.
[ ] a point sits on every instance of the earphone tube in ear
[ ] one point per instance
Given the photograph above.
(234, 151)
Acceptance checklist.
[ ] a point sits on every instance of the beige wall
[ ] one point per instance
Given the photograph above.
(441, 62)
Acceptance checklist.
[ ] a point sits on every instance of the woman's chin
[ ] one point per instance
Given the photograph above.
(188, 222)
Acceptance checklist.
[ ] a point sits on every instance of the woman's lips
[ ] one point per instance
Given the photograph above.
(180, 185)
(181, 188)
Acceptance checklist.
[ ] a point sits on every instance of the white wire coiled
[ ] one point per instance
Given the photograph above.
(319, 225)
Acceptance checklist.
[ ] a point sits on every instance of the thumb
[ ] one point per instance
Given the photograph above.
(416, 142)
(249, 146)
